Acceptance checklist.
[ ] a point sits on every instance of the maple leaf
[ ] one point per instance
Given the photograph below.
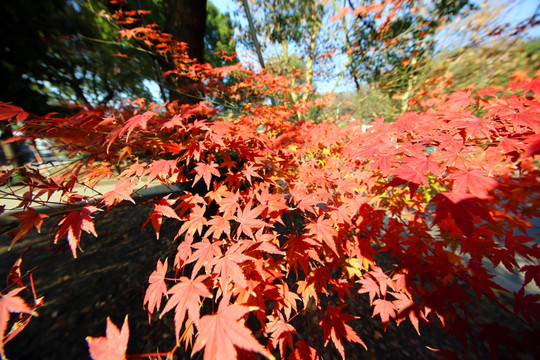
(385, 309)
(287, 298)
(162, 208)
(196, 221)
(300, 250)
(369, 285)
(411, 174)
(122, 191)
(204, 254)
(383, 279)
(28, 220)
(497, 335)
(161, 168)
(307, 291)
(280, 332)
(532, 272)
(251, 171)
(157, 287)
(184, 251)
(221, 332)
(10, 303)
(459, 99)
(73, 224)
(476, 180)
(335, 328)
(8, 111)
(324, 231)
(111, 347)
(227, 266)
(247, 220)
(461, 206)
(533, 147)
(205, 171)
(405, 306)
(186, 296)
(302, 351)
(139, 120)
(218, 225)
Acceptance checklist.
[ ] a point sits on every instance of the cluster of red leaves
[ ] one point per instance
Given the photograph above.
(281, 223)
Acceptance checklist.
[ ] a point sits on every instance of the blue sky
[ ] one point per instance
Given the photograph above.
(519, 10)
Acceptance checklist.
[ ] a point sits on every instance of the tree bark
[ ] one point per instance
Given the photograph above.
(185, 20)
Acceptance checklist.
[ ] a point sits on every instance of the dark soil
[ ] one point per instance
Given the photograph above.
(109, 279)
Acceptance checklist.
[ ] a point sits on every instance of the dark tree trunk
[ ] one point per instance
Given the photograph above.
(185, 20)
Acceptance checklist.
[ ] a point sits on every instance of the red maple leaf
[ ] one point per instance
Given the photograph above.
(369, 285)
(157, 287)
(251, 171)
(8, 111)
(287, 298)
(334, 328)
(73, 224)
(300, 250)
(405, 307)
(10, 303)
(161, 168)
(218, 225)
(219, 334)
(136, 121)
(162, 208)
(112, 346)
(186, 296)
(204, 254)
(28, 220)
(383, 279)
(206, 171)
(227, 266)
(459, 99)
(414, 175)
(122, 191)
(247, 220)
(280, 332)
(385, 309)
(196, 221)
(302, 351)
(228, 204)
(476, 181)
(324, 231)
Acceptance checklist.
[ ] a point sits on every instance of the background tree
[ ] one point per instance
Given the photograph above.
(63, 52)
(58, 52)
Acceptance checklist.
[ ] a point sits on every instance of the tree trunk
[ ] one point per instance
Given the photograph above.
(185, 20)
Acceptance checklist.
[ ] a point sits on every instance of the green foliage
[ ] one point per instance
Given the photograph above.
(219, 37)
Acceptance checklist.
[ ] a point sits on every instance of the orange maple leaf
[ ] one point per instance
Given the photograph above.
(157, 287)
(10, 303)
(73, 224)
(334, 328)
(27, 221)
(111, 347)
(324, 231)
(186, 296)
(221, 332)
(205, 171)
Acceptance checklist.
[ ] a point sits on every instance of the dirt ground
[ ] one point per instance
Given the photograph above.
(109, 279)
